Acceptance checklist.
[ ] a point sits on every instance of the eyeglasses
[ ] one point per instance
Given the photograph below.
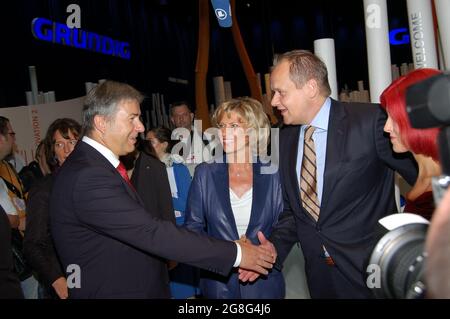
(13, 134)
(61, 145)
(231, 125)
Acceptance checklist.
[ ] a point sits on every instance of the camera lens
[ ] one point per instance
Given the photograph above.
(399, 257)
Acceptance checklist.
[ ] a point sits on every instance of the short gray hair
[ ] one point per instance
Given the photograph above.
(304, 66)
(104, 99)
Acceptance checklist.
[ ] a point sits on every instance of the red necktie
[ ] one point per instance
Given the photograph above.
(123, 172)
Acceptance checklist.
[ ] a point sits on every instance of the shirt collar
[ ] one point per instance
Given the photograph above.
(106, 152)
(320, 121)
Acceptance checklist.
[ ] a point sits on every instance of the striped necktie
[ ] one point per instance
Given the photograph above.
(308, 180)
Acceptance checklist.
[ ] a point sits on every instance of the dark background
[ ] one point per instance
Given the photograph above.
(163, 42)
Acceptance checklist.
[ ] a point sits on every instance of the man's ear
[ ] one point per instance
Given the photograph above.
(100, 123)
(312, 88)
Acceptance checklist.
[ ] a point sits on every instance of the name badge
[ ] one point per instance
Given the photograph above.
(178, 214)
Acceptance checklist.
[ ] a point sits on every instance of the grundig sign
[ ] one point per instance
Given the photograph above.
(59, 33)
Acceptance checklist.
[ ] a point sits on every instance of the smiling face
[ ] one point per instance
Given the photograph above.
(292, 102)
(233, 130)
(119, 133)
(391, 127)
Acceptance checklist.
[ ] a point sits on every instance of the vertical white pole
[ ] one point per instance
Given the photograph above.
(443, 17)
(228, 91)
(34, 84)
(378, 53)
(421, 30)
(324, 49)
(219, 90)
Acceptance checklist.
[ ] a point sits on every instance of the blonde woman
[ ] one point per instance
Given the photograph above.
(233, 197)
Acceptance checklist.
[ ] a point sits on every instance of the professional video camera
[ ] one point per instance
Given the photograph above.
(399, 254)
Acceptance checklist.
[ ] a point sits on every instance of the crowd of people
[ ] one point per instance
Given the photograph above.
(142, 221)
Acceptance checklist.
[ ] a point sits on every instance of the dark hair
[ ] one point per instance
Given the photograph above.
(64, 126)
(163, 134)
(4, 125)
(180, 103)
(104, 99)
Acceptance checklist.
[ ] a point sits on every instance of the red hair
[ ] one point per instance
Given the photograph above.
(393, 100)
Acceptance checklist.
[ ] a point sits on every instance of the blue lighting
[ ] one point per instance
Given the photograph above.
(46, 30)
(399, 36)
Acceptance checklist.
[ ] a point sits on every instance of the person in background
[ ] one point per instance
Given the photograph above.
(191, 137)
(60, 140)
(17, 195)
(9, 282)
(183, 278)
(437, 246)
(234, 198)
(422, 143)
(36, 170)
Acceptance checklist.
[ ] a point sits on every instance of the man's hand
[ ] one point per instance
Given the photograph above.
(248, 275)
(60, 286)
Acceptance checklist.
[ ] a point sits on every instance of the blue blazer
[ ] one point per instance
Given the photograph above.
(183, 181)
(209, 210)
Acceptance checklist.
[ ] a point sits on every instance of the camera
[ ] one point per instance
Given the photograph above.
(398, 258)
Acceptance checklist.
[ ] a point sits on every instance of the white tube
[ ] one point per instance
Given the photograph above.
(29, 97)
(421, 31)
(378, 52)
(443, 17)
(228, 92)
(324, 49)
(34, 84)
(219, 90)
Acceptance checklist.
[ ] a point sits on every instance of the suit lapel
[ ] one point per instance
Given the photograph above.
(98, 159)
(259, 197)
(220, 176)
(336, 137)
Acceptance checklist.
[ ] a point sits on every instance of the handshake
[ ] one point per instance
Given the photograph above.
(256, 260)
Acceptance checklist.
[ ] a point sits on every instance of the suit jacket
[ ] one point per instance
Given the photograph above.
(358, 190)
(151, 182)
(99, 223)
(209, 210)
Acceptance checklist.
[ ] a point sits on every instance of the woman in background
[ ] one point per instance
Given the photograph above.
(60, 140)
(235, 197)
(421, 143)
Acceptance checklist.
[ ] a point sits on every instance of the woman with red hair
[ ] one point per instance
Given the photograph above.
(422, 143)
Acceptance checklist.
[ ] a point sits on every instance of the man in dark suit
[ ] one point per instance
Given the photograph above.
(99, 224)
(338, 187)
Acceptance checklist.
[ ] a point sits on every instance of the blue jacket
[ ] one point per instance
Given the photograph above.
(209, 210)
(183, 181)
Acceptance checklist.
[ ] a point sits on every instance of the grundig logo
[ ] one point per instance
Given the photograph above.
(221, 14)
(46, 30)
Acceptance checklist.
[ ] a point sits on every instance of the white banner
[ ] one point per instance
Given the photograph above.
(31, 122)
